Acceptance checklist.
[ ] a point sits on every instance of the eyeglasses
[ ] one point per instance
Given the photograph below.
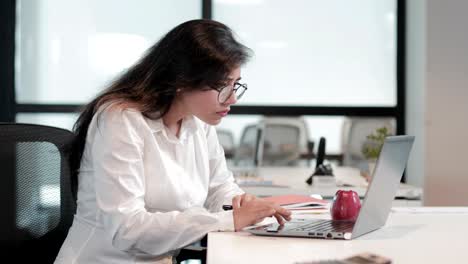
(225, 92)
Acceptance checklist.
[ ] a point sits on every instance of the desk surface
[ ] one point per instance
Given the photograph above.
(427, 237)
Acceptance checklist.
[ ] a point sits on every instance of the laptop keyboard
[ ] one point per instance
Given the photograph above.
(326, 226)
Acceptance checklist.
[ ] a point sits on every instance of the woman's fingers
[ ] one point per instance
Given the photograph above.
(279, 211)
(265, 213)
(249, 210)
(279, 218)
(285, 213)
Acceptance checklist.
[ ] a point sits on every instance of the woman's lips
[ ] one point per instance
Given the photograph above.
(223, 113)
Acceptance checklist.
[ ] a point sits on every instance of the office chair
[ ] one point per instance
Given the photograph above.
(354, 135)
(36, 190)
(284, 140)
(246, 153)
(274, 141)
(226, 139)
(196, 251)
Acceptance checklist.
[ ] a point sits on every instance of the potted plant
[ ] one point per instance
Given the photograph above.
(373, 145)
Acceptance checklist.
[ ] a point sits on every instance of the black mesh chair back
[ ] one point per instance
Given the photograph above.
(36, 191)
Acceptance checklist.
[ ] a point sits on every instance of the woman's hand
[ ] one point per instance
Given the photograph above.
(249, 210)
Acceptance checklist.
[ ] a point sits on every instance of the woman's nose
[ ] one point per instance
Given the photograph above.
(232, 99)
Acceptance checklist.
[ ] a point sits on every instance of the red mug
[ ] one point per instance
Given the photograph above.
(346, 205)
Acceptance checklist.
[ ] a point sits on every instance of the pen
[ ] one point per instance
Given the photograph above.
(227, 207)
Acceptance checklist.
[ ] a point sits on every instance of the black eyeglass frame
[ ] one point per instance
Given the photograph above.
(234, 90)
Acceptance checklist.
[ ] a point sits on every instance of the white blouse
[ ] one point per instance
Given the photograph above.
(144, 193)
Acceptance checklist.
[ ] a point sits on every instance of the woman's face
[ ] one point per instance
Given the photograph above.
(204, 104)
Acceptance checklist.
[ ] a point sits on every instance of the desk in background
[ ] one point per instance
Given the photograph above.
(291, 180)
(430, 236)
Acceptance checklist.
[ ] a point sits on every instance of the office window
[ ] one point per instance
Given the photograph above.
(67, 51)
(316, 53)
(329, 127)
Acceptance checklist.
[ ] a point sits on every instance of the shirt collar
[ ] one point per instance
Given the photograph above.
(156, 125)
(189, 125)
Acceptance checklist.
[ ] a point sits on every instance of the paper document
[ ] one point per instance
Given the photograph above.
(294, 199)
(304, 206)
(297, 202)
(321, 210)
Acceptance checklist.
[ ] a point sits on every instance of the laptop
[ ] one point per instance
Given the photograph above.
(375, 207)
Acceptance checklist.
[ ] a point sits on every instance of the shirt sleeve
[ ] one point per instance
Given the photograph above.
(222, 187)
(117, 153)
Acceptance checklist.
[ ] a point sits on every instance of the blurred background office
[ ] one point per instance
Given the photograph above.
(335, 69)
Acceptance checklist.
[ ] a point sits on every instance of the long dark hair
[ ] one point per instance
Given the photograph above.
(195, 54)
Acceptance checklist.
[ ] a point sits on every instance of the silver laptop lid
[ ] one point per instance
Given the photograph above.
(384, 184)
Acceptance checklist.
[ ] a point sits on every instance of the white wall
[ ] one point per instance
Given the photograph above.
(438, 99)
(447, 103)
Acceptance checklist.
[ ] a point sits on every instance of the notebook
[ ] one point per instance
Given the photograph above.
(295, 200)
(375, 207)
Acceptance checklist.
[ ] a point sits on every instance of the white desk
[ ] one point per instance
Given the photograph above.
(291, 180)
(407, 238)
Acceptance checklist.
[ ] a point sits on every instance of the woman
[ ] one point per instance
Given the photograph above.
(152, 175)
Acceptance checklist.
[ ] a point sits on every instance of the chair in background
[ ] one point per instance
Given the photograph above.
(196, 251)
(245, 154)
(226, 139)
(275, 141)
(354, 135)
(284, 140)
(37, 191)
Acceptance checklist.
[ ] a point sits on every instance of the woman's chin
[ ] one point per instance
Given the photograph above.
(211, 120)
(214, 122)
